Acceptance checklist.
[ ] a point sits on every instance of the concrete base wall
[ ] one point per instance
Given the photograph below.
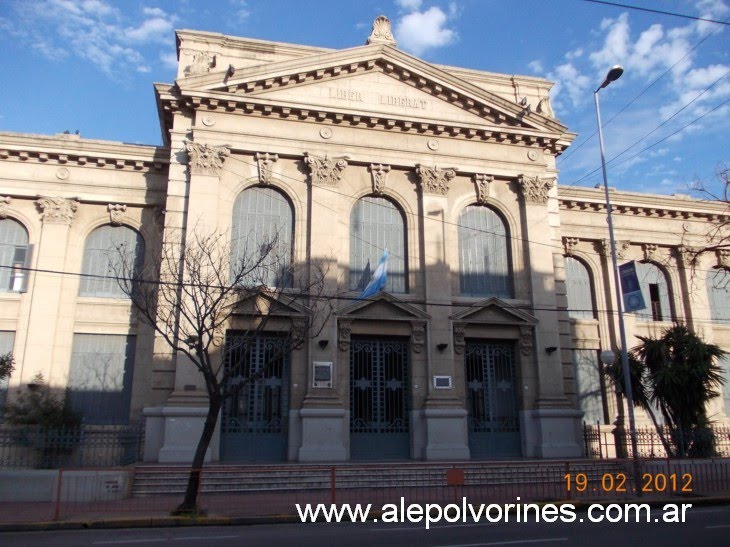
(76, 486)
(323, 434)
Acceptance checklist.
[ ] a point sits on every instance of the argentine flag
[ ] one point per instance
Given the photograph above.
(377, 282)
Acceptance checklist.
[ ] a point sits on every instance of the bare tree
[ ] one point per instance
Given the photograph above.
(716, 236)
(198, 289)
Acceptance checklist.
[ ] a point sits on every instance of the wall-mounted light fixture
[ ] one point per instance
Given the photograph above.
(323, 343)
(551, 349)
(442, 346)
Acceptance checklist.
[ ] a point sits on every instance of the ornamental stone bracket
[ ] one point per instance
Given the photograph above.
(381, 33)
(418, 336)
(4, 206)
(57, 210)
(650, 251)
(459, 342)
(380, 177)
(298, 331)
(344, 328)
(527, 343)
(434, 180)
(325, 171)
(535, 189)
(482, 185)
(204, 159)
(203, 61)
(604, 248)
(569, 243)
(723, 258)
(686, 255)
(265, 163)
(117, 212)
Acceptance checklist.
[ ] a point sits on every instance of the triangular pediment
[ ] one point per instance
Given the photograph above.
(270, 303)
(383, 306)
(494, 311)
(369, 81)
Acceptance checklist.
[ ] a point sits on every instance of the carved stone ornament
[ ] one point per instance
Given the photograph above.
(544, 108)
(205, 159)
(526, 341)
(622, 247)
(535, 189)
(158, 217)
(380, 176)
(325, 171)
(434, 180)
(723, 258)
(650, 251)
(381, 33)
(482, 185)
(418, 337)
(116, 213)
(687, 254)
(298, 331)
(343, 335)
(4, 206)
(265, 162)
(569, 243)
(203, 61)
(57, 210)
(459, 343)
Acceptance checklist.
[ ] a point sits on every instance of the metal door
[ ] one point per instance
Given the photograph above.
(254, 421)
(492, 401)
(379, 424)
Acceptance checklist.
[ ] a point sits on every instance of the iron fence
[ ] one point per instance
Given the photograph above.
(81, 447)
(615, 442)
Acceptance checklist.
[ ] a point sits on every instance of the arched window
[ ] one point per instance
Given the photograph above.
(484, 261)
(377, 224)
(718, 293)
(13, 254)
(580, 291)
(655, 290)
(110, 253)
(261, 237)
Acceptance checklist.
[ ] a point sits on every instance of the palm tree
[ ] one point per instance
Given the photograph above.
(680, 375)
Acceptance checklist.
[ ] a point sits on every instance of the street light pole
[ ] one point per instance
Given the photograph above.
(613, 75)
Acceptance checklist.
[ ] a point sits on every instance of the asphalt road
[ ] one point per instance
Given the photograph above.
(706, 526)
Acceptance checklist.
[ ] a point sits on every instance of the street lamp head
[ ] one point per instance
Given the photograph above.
(608, 357)
(613, 74)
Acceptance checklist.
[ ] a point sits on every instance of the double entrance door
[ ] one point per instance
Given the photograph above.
(379, 409)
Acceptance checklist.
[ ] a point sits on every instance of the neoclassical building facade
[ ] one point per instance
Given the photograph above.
(484, 341)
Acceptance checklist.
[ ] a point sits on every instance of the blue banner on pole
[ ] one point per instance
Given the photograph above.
(630, 288)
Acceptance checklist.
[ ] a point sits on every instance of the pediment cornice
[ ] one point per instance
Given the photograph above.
(494, 311)
(373, 308)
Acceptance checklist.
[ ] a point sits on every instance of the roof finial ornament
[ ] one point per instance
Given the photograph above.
(381, 33)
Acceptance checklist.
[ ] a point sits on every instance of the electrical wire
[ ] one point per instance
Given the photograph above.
(661, 12)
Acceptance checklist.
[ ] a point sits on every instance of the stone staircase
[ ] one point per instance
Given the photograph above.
(229, 479)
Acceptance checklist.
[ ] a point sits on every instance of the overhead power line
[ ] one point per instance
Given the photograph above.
(662, 12)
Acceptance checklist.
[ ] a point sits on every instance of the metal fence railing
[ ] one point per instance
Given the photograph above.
(31, 447)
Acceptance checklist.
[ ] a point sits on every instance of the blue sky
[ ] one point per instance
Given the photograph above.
(90, 65)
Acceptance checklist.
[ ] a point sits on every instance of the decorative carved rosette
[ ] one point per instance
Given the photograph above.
(380, 177)
(418, 337)
(265, 162)
(116, 213)
(343, 334)
(434, 180)
(205, 159)
(723, 258)
(535, 189)
(298, 331)
(526, 341)
(325, 171)
(482, 185)
(459, 343)
(203, 61)
(569, 244)
(4, 206)
(650, 251)
(57, 210)
(381, 33)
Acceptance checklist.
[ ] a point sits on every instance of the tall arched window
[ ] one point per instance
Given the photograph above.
(110, 253)
(377, 224)
(655, 290)
(484, 258)
(13, 251)
(718, 293)
(261, 237)
(580, 291)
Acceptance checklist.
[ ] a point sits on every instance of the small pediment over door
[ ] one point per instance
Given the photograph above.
(263, 302)
(383, 307)
(494, 311)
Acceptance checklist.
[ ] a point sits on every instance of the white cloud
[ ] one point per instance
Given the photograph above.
(419, 31)
(94, 30)
(536, 67)
(409, 5)
(569, 79)
(169, 60)
(240, 10)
